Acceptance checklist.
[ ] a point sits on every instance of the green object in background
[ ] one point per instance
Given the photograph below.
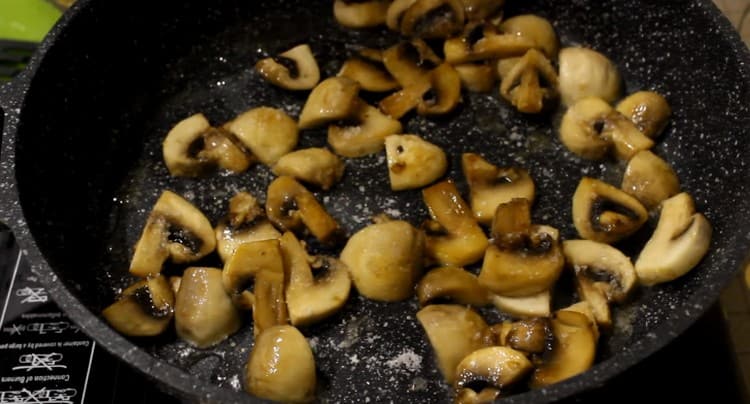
(27, 20)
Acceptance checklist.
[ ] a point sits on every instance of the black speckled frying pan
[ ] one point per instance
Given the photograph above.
(81, 167)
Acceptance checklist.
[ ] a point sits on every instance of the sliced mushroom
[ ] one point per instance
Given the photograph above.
(648, 110)
(606, 267)
(144, 309)
(585, 308)
(432, 19)
(482, 41)
(582, 126)
(176, 230)
(523, 259)
(491, 186)
(248, 260)
(454, 331)
(204, 314)
(295, 69)
(453, 235)
(290, 206)
(360, 14)
(531, 84)
(174, 283)
(604, 213)
(585, 73)
(401, 102)
(497, 366)
(451, 283)
(245, 222)
(268, 132)
(365, 137)
(270, 306)
(413, 162)
(312, 298)
(368, 70)
(333, 99)
(597, 300)
(409, 62)
(573, 349)
(444, 93)
(476, 77)
(481, 10)
(626, 139)
(679, 242)
(314, 165)
(395, 13)
(530, 335)
(281, 366)
(467, 395)
(650, 179)
(537, 29)
(385, 260)
(536, 305)
(193, 147)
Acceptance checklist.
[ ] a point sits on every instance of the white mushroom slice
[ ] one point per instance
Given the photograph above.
(453, 235)
(626, 139)
(573, 349)
(281, 366)
(496, 366)
(650, 179)
(679, 242)
(204, 314)
(413, 162)
(444, 93)
(366, 136)
(584, 73)
(193, 147)
(483, 42)
(333, 99)
(247, 261)
(536, 305)
(315, 165)
(491, 186)
(453, 283)
(648, 110)
(360, 14)
(295, 69)
(582, 126)
(176, 230)
(245, 222)
(536, 28)
(454, 331)
(370, 74)
(481, 10)
(476, 77)
(310, 298)
(269, 307)
(606, 267)
(604, 213)
(531, 84)
(145, 308)
(432, 19)
(597, 300)
(268, 132)
(385, 260)
(291, 207)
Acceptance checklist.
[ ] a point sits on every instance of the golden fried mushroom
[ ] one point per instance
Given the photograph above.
(268, 132)
(245, 222)
(452, 283)
(413, 162)
(538, 29)
(531, 84)
(604, 213)
(294, 69)
(497, 366)
(314, 165)
(290, 206)
(360, 14)
(145, 308)
(333, 99)
(648, 110)
(365, 134)
(650, 179)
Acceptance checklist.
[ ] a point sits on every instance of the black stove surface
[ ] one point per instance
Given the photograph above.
(45, 358)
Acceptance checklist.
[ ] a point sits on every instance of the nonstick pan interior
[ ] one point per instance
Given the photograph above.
(114, 78)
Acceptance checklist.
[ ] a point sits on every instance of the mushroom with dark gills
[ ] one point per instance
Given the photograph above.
(413, 162)
(294, 69)
(268, 132)
(145, 308)
(679, 242)
(290, 206)
(176, 230)
(244, 222)
(604, 213)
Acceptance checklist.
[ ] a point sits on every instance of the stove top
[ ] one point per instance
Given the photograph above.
(45, 358)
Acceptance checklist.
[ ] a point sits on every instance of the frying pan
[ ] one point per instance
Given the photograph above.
(81, 167)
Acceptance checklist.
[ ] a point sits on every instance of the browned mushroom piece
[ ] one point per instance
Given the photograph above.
(291, 207)
(604, 213)
(294, 69)
(538, 29)
(333, 99)
(453, 236)
(433, 19)
(478, 77)
(523, 259)
(531, 84)
(395, 13)
(311, 298)
(175, 230)
(482, 41)
(444, 93)
(204, 312)
(248, 260)
(498, 366)
(413, 162)
(360, 14)
(193, 147)
(314, 165)
(145, 308)
(245, 222)
(650, 179)
(367, 69)
(529, 335)
(270, 305)
(467, 395)
(648, 110)
(268, 132)
(482, 10)
(365, 134)
(490, 185)
(451, 283)
(410, 61)
(454, 331)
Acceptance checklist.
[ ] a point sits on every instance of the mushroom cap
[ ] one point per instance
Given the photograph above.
(268, 132)
(496, 366)
(584, 72)
(451, 282)
(360, 14)
(650, 179)
(413, 162)
(648, 110)
(365, 137)
(304, 76)
(607, 267)
(536, 28)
